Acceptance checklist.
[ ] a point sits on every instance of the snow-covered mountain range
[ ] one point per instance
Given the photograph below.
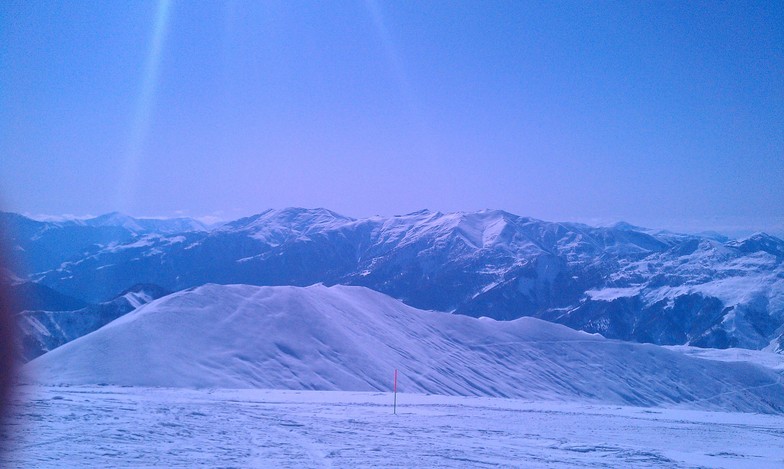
(44, 245)
(624, 282)
(352, 338)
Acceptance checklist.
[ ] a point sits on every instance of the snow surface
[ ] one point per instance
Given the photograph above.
(351, 338)
(138, 298)
(774, 361)
(611, 294)
(64, 427)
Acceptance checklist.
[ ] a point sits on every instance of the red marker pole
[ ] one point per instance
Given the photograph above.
(394, 404)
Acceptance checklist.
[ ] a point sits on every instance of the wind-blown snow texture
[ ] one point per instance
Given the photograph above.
(57, 427)
(351, 338)
(623, 281)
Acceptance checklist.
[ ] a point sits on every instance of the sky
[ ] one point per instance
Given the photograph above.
(663, 114)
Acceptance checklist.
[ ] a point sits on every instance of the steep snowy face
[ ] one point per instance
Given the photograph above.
(486, 229)
(352, 338)
(444, 261)
(622, 281)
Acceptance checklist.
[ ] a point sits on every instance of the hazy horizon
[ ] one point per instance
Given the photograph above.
(665, 115)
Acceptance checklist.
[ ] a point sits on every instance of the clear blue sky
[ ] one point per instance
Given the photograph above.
(658, 113)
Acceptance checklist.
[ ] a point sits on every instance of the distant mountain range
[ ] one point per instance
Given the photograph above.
(41, 246)
(624, 282)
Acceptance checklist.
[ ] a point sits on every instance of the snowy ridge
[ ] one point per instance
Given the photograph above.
(40, 331)
(351, 338)
(137, 225)
(270, 224)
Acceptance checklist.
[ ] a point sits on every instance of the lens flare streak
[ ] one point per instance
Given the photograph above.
(142, 117)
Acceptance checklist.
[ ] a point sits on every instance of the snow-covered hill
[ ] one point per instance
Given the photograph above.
(40, 331)
(623, 281)
(351, 338)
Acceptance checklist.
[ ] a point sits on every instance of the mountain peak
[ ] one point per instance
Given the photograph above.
(115, 219)
(300, 212)
(424, 211)
(274, 223)
(760, 242)
(624, 226)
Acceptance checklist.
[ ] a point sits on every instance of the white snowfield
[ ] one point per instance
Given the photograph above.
(352, 338)
(131, 427)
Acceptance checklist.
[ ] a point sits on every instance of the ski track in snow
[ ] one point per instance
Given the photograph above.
(102, 426)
